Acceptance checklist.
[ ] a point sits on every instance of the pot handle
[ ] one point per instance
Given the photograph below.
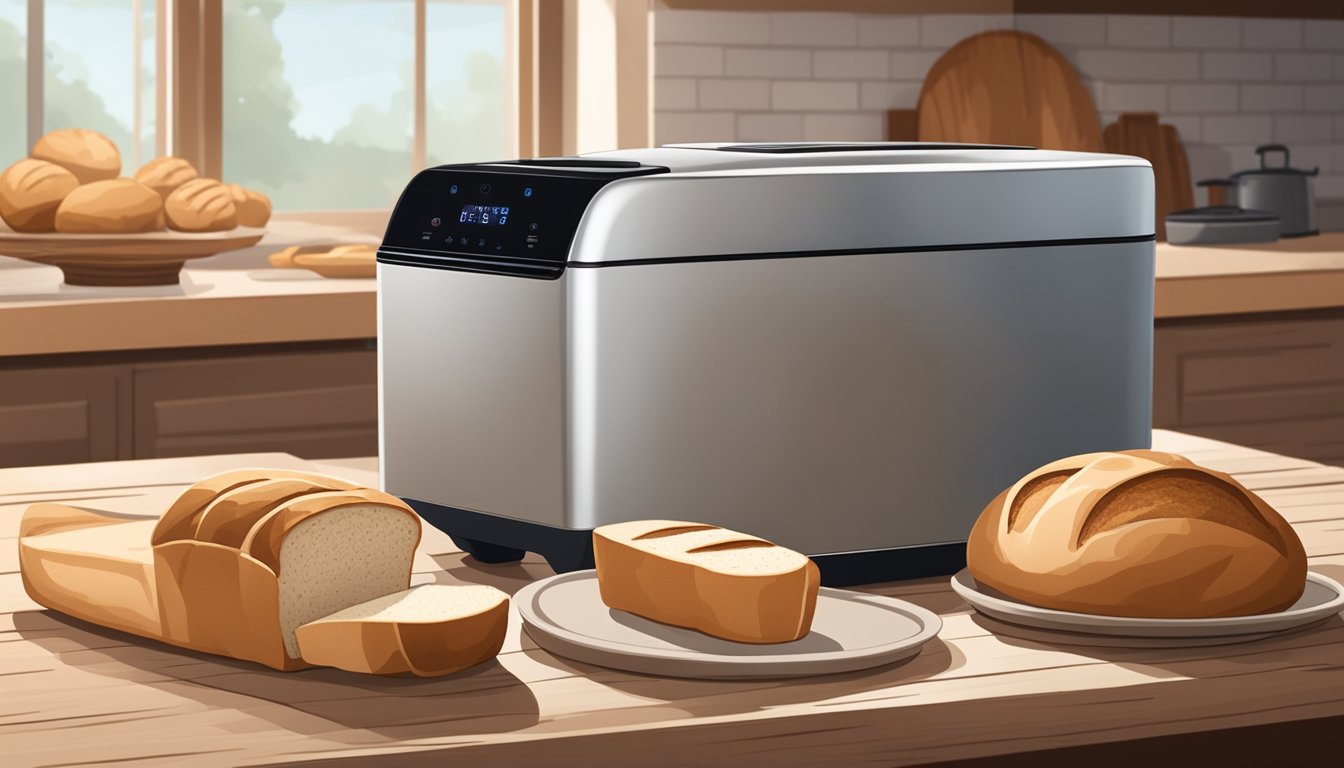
(1265, 149)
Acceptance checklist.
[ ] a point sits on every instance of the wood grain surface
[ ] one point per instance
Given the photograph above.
(74, 693)
(1008, 87)
(1140, 133)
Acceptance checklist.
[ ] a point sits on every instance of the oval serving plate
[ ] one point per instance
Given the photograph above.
(565, 615)
(1322, 598)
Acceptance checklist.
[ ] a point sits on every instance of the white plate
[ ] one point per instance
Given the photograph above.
(565, 615)
(1322, 598)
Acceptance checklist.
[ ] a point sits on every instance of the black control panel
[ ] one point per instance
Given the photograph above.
(515, 218)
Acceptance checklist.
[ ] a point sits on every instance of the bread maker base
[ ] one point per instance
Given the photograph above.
(571, 549)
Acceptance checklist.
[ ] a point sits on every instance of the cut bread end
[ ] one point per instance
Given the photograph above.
(429, 630)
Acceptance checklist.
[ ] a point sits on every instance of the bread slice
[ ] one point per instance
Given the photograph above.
(184, 514)
(433, 629)
(703, 577)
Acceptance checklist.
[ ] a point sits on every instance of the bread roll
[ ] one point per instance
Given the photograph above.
(89, 155)
(31, 191)
(1137, 533)
(703, 577)
(201, 205)
(254, 208)
(432, 629)
(115, 206)
(165, 174)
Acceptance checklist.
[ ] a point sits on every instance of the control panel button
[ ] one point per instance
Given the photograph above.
(533, 227)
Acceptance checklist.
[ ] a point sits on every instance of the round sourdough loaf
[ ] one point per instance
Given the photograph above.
(31, 191)
(201, 205)
(115, 206)
(254, 208)
(1137, 533)
(165, 174)
(89, 155)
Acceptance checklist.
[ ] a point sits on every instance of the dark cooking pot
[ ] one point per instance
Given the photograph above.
(1279, 189)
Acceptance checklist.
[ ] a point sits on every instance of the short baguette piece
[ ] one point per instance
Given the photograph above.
(1140, 534)
(429, 630)
(720, 582)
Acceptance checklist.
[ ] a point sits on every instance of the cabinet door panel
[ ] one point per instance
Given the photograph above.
(311, 404)
(57, 416)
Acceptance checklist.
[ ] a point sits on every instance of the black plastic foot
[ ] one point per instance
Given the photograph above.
(488, 553)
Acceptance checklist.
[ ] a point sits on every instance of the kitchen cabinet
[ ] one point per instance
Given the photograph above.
(316, 400)
(1273, 382)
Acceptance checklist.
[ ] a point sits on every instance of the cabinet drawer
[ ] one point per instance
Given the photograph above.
(57, 416)
(311, 404)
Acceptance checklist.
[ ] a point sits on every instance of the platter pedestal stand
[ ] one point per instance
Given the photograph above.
(102, 274)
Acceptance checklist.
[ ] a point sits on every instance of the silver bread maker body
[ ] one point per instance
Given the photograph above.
(845, 349)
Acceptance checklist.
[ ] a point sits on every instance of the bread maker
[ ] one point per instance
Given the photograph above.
(847, 349)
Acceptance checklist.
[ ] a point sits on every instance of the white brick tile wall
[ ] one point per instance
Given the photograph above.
(856, 127)
(1324, 98)
(734, 94)
(767, 62)
(1063, 29)
(1238, 66)
(1325, 35)
(850, 65)
(889, 94)
(1138, 31)
(678, 26)
(888, 31)
(688, 60)
(773, 126)
(1147, 66)
(817, 29)
(1271, 33)
(1205, 32)
(1226, 84)
(1298, 67)
(674, 93)
(678, 127)
(1237, 129)
(946, 30)
(1271, 98)
(808, 95)
(912, 65)
(1130, 97)
(1204, 98)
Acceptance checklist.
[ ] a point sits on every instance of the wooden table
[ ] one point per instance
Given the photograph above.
(73, 693)
(1290, 275)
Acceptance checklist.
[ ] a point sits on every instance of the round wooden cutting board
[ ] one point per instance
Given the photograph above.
(1008, 87)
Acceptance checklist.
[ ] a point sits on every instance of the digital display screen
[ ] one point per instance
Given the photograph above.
(484, 214)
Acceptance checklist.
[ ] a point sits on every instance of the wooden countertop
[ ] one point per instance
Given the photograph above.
(232, 298)
(71, 692)
(236, 298)
(1301, 273)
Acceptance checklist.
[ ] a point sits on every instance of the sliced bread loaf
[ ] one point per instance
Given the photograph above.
(721, 582)
(429, 630)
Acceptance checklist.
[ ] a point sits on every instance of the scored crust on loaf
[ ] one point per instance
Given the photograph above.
(165, 174)
(182, 517)
(720, 582)
(31, 191)
(201, 205)
(230, 517)
(1137, 533)
(330, 551)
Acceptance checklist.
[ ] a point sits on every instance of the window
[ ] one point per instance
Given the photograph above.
(320, 96)
(98, 71)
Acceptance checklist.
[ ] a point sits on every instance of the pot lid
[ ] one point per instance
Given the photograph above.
(1267, 170)
(1213, 214)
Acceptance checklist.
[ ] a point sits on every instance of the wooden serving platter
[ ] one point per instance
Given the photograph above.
(144, 258)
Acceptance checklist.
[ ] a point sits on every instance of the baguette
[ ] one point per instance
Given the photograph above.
(1140, 534)
(425, 631)
(703, 577)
